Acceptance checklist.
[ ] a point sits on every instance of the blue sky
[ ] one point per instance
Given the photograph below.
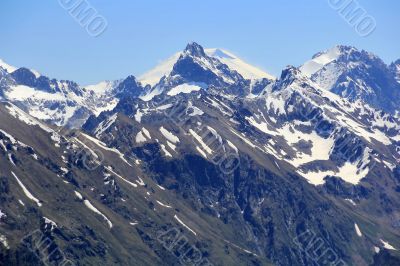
(269, 34)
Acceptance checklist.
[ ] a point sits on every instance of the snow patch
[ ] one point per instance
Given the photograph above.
(166, 152)
(138, 116)
(26, 191)
(187, 88)
(50, 223)
(3, 240)
(160, 187)
(140, 182)
(386, 245)
(3, 146)
(142, 136)
(109, 168)
(182, 223)
(27, 119)
(150, 95)
(146, 133)
(104, 146)
(169, 135)
(164, 205)
(78, 195)
(104, 125)
(200, 141)
(201, 152)
(351, 201)
(92, 208)
(11, 159)
(358, 231)
(232, 146)
(262, 126)
(172, 146)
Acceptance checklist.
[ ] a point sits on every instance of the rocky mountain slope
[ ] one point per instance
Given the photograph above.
(209, 165)
(356, 75)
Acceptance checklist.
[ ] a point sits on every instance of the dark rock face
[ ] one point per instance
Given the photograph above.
(190, 70)
(363, 76)
(253, 199)
(385, 92)
(24, 76)
(385, 258)
(306, 167)
(129, 88)
(244, 198)
(195, 49)
(195, 66)
(395, 69)
(260, 85)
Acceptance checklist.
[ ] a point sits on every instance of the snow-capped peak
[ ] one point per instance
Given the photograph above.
(289, 72)
(194, 65)
(288, 76)
(320, 60)
(355, 75)
(194, 49)
(164, 68)
(103, 86)
(7, 67)
(11, 69)
(235, 63)
(344, 53)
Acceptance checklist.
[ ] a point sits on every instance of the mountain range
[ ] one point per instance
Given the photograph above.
(204, 160)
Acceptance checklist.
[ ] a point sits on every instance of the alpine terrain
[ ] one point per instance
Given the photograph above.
(204, 160)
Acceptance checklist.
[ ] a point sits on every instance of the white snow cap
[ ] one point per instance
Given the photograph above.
(322, 59)
(319, 61)
(245, 69)
(7, 67)
(11, 68)
(164, 68)
(235, 63)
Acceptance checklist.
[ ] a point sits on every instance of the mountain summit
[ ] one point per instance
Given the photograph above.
(194, 49)
(248, 71)
(7, 67)
(205, 167)
(355, 75)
